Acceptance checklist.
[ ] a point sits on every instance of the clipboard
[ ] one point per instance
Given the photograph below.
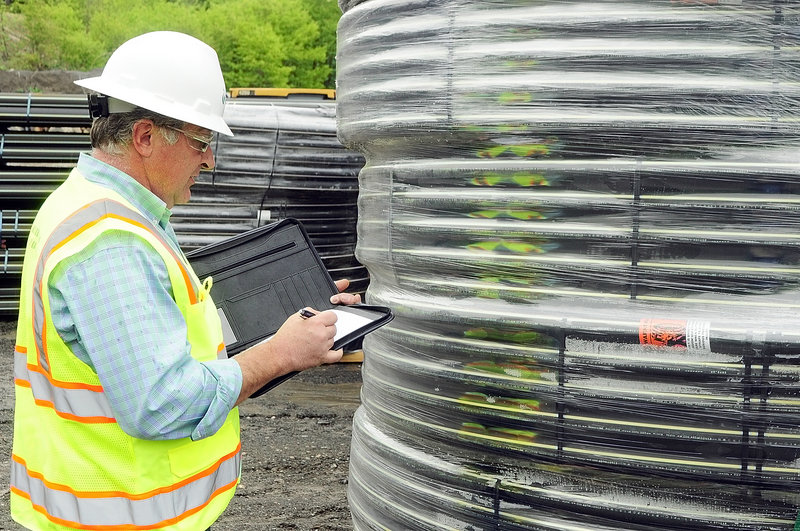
(262, 276)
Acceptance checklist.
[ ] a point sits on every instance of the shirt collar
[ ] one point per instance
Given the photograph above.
(106, 175)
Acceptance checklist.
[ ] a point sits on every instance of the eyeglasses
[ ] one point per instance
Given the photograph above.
(201, 144)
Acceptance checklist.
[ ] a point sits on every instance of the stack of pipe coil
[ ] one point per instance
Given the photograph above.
(41, 137)
(585, 216)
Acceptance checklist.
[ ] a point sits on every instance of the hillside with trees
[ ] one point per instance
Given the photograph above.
(261, 43)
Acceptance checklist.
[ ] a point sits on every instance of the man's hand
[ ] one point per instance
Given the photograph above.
(344, 298)
(300, 343)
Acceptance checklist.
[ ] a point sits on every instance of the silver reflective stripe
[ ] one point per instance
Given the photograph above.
(77, 222)
(114, 509)
(82, 403)
(38, 314)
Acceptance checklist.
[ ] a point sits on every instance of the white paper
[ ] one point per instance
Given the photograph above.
(348, 322)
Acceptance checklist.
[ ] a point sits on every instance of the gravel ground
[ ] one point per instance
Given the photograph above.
(296, 444)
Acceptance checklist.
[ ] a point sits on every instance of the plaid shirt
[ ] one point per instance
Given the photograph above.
(112, 304)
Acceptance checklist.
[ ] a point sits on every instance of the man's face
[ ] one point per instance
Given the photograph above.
(179, 164)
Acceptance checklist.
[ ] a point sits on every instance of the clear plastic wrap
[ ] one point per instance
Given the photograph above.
(585, 217)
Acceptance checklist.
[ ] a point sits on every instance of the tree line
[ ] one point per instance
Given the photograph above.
(260, 43)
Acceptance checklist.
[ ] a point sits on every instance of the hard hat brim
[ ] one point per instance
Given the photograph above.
(146, 101)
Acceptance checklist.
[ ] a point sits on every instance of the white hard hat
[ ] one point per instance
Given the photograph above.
(170, 73)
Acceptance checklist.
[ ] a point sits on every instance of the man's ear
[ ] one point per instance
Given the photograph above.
(142, 138)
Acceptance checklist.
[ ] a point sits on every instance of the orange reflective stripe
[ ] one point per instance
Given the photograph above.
(231, 461)
(125, 527)
(84, 403)
(120, 494)
(70, 416)
(203, 473)
(62, 384)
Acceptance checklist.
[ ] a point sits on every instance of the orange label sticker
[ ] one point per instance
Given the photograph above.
(662, 332)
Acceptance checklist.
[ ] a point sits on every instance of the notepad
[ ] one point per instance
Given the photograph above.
(349, 322)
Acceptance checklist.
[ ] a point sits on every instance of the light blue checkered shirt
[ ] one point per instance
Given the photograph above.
(113, 305)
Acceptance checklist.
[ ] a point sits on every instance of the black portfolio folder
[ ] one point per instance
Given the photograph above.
(264, 275)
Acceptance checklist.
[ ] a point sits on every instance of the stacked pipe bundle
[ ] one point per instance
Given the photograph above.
(585, 216)
(40, 138)
(284, 160)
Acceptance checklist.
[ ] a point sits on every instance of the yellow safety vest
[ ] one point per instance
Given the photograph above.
(72, 465)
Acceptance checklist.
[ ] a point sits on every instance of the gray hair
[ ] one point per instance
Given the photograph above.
(114, 132)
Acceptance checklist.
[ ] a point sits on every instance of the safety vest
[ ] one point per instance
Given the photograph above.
(72, 465)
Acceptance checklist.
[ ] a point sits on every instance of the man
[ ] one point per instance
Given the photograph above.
(126, 400)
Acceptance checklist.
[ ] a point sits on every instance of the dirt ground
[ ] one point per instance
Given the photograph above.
(295, 440)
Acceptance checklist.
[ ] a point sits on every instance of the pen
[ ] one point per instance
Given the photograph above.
(305, 313)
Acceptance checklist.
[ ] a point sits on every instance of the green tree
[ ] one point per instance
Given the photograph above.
(299, 34)
(11, 32)
(250, 51)
(267, 43)
(112, 22)
(326, 13)
(56, 37)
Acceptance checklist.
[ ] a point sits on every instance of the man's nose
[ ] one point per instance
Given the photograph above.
(208, 159)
